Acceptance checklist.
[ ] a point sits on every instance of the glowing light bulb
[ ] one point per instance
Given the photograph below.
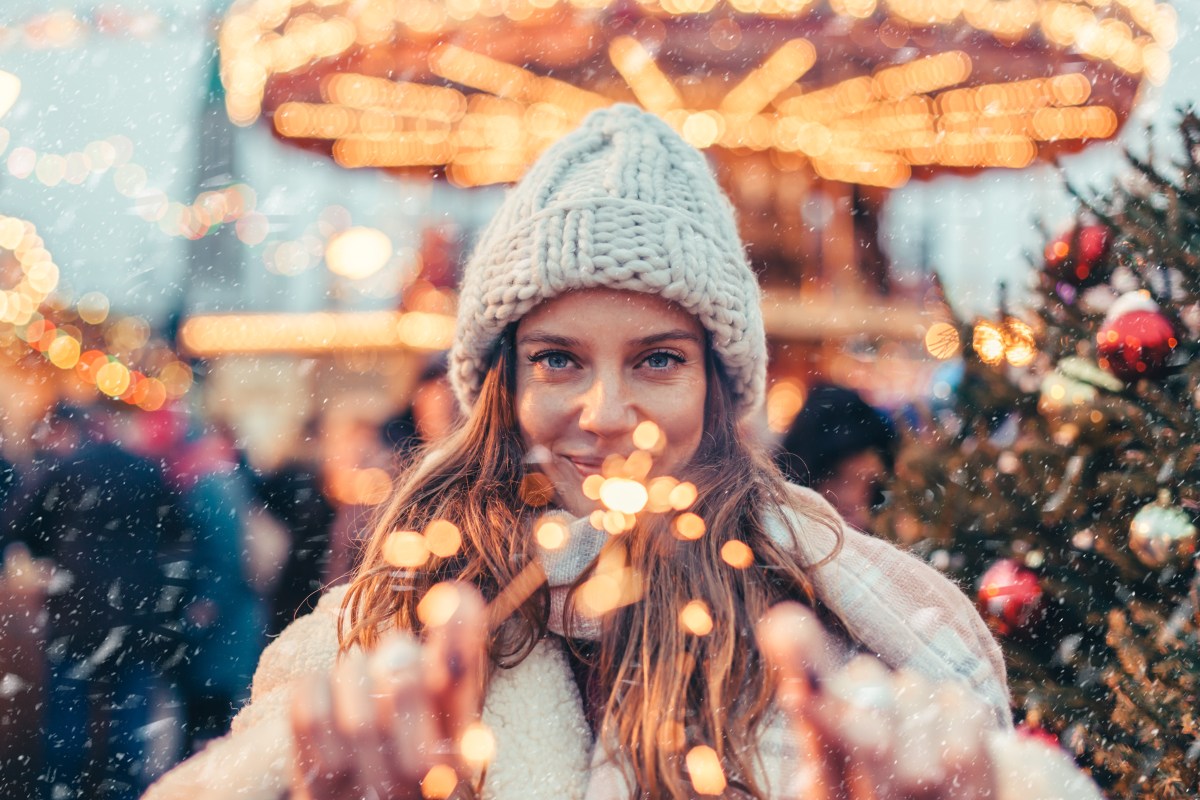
(704, 769)
(624, 495)
(737, 554)
(551, 534)
(695, 618)
(405, 549)
(477, 745)
(438, 605)
(10, 90)
(358, 252)
(443, 538)
(647, 435)
(689, 526)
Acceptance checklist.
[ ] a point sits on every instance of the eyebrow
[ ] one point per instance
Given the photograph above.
(541, 337)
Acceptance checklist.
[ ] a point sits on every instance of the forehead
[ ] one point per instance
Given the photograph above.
(618, 312)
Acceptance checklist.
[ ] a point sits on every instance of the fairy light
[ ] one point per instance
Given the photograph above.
(785, 398)
(649, 83)
(477, 745)
(782, 68)
(647, 436)
(443, 538)
(737, 554)
(439, 782)
(689, 526)
(551, 534)
(942, 340)
(704, 770)
(322, 332)
(438, 605)
(623, 495)
(1020, 347)
(682, 496)
(988, 341)
(696, 619)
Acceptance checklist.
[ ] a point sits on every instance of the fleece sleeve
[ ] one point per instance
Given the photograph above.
(254, 760)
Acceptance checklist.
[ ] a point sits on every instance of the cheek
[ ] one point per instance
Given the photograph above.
(539, 415)
(680, 415)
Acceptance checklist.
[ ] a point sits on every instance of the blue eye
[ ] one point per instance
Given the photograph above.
(551, 359)
(662, 360)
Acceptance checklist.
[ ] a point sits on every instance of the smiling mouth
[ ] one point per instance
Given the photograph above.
(586, 466)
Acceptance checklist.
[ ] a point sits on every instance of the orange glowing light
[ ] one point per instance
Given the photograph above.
(439, 783)
(64, 352)
(737, 554)
(551, 534)
(988, 341)
(638, 465)
(682, 496)
(704, 769)
(591, 486)
(689, 526)
(659, 494)
(443, 538)
(942, 340)
(696, 619)
(405, 549)
(358, 253)
(113, 378)
(477, 745)
(647, 436)
(438, 605)
(623, 495)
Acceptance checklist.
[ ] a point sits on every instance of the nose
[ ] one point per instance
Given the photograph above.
(607, 410)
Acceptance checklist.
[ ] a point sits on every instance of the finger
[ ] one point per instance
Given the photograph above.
(920, 734)
(319, 766)
(795, 645)
(402, 707)
(22, 572)
(454, 662)
(857, 717)
(966, 758)
(355, 720)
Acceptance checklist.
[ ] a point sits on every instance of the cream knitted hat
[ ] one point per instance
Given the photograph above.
(621, 203)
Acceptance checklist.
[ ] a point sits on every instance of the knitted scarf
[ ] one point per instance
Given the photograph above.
(890, 603)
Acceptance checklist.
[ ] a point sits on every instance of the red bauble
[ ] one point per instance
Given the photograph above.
(1010, 597)
(1136, 339)
(1077, 256)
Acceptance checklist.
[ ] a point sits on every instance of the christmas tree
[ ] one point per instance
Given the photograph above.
(1060, 480)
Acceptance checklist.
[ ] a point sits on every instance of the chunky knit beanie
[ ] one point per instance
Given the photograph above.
(621, 203)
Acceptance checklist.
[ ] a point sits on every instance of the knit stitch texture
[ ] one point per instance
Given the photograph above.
(621, 203)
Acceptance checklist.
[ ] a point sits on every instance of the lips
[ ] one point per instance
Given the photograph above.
(585, 464)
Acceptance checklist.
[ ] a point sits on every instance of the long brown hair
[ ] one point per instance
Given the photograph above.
(659, 682)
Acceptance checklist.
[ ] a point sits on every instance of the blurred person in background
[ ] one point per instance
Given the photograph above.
(430, 417)
(294, 494)
(843, 448)
(235, 549)
(102, 518)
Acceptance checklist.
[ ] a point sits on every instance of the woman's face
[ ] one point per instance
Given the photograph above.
(591, 365)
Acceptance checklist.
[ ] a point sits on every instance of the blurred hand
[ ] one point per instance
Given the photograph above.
(24, 582)
(869, 733)
(390, 725)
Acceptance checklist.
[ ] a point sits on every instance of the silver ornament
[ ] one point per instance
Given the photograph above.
(1162, 534)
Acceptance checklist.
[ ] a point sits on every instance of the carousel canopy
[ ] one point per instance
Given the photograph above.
(860, 91)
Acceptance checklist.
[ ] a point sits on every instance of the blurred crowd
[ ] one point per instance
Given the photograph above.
(147, 563)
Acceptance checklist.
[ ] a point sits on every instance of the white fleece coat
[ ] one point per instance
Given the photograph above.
(892, 604)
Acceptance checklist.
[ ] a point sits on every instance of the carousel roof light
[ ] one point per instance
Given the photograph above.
(864, 91)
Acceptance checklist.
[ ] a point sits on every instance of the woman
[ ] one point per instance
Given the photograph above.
(609, 310)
